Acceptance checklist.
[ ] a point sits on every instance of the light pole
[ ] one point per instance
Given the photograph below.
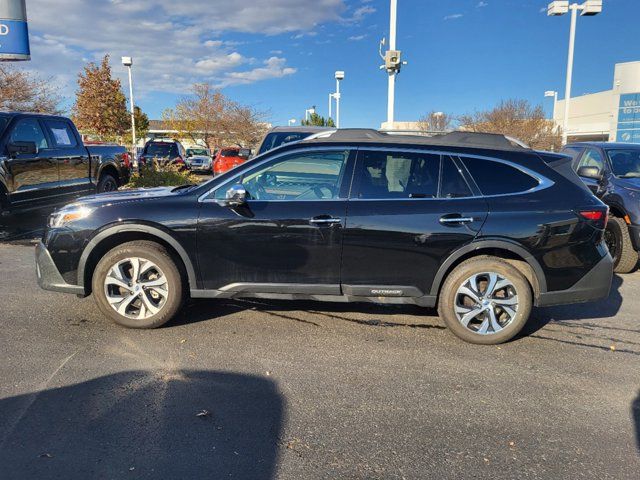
(128, 62)
(392, 61)
(308, 112)
(339, 77)
(560, 7)
(554, 94)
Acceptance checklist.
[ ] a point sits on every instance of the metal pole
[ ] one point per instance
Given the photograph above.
(392, 75)
(337, 103)
(567, 91)
(133, 116)
(330, 103)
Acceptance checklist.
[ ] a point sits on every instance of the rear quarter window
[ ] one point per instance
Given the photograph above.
(497, 178)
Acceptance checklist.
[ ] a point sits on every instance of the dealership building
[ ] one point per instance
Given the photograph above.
(612, 115)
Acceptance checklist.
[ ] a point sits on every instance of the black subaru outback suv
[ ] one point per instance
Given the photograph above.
(473, 223)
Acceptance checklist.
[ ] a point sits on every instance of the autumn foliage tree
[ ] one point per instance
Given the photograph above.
(436, 122)
(207, 115)
(23, 91)
(101, 107)
(517, 119)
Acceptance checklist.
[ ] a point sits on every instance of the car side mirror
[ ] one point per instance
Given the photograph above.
(236, 196)
(22, 148)
(590, 172)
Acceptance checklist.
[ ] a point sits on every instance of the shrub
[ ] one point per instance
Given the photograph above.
(155, 175)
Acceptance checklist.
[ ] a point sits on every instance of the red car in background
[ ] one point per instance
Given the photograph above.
(228, 158)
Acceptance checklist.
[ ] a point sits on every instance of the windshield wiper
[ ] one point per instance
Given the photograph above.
(183, 187)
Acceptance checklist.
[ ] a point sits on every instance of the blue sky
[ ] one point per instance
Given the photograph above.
(280, 55)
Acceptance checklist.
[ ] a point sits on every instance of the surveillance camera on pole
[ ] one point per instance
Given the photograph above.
(392, 61)
(14, 31)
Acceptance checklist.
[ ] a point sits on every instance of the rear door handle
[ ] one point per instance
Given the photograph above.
(455, 219)
(325, 220)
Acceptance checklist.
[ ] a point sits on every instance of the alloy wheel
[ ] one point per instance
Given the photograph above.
(486, 303)
(136, 288)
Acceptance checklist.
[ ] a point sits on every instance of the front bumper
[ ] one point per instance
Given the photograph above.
(49, 278)
(595, 285)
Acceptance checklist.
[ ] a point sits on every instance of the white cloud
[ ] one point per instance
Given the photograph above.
(174, 43)
(357, 38)
(274, 68)
(453, 16)
(482, 4)
(360, 13)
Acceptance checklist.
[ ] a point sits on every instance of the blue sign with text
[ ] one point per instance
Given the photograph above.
(14, 40)
(629, 118)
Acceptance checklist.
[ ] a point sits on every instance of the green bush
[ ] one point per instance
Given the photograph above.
(155, 175)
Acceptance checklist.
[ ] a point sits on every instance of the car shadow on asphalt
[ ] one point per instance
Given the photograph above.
(26, 225)
(142, 424)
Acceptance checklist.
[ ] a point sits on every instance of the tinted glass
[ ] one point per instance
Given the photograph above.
(162, 150)
(573, 151)
(397, 175)
(592, 158)
(229, 153)
(197, 151)
(276, 139)
(453, 184)
(3, 123)
(496, 178)
(315, 176)
(61, 133)
(625, 162)
(28, 130)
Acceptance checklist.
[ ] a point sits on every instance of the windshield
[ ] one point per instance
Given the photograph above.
(625, 162)
(229, 153)
(162, 150)
(197, 151)
(276, 139)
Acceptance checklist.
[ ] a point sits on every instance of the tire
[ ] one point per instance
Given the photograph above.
(618, 241)
(107, 183)
(116, 267)
(477, 272)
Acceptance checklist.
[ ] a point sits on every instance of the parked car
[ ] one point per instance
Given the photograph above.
(164, 152)
(200, 160)
(612, 173)
(278, 136)
(228, 158)
(43, 162)
(473, 223)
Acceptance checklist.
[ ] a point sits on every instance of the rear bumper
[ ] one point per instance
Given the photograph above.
(49, 278)
(595, 285)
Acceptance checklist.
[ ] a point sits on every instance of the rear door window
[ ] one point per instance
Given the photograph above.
(61, 134)
(497, 178)
(452, 183)
(396, 174)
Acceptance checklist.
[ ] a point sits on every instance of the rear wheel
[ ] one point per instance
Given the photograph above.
(618, 241)
(138, 285)
(107, 183)
(485, 300)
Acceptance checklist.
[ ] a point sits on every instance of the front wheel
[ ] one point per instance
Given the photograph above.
(485, 300)
(138, 285)
(618, 241)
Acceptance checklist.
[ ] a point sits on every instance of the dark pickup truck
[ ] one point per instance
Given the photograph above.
(43, 162)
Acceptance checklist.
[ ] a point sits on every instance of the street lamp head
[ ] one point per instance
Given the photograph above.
(550, 93)
(127, 61)
(591, 7)
(339, 75)
(292, 121)
(558, 7)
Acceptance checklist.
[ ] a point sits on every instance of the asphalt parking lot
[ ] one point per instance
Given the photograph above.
(265, 389)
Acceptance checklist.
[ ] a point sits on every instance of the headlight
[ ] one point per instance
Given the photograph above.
(68, 215)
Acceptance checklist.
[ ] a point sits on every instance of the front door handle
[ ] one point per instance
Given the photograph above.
(455, 219)
(325, 220)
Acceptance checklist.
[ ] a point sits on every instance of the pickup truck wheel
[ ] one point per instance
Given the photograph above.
(618, 241)
(485, 300)
(138, 285)
(107, 183)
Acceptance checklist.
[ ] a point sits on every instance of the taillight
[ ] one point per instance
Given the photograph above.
(598, 217)
(126, 159)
